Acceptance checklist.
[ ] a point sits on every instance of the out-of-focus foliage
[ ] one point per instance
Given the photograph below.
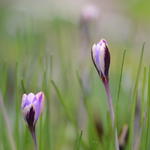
(48, 48)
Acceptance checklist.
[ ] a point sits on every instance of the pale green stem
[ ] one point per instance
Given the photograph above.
(112, 114)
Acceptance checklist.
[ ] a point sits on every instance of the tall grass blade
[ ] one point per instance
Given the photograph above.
(148, 113)
(69, 116)
(134, 100)
(143, 111)
(119, 85)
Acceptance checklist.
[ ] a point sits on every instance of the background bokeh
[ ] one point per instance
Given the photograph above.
(46, 46)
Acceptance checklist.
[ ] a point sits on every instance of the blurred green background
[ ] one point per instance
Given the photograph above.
(45, 46)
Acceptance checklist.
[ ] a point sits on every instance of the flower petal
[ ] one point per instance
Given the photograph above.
(25, 101)
(31, 97)
(38, 104)
(101, 56)
(95, 57)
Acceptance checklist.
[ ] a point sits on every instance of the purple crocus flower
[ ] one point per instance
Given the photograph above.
(101, 59)
(32, 105)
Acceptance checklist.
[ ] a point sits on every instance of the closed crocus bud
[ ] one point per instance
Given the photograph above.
(101, 59)
(32, 105)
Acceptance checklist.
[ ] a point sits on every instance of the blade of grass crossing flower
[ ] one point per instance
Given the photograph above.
(119, 85)
(134, 100)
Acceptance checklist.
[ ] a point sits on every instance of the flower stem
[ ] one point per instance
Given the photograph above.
(33, 133)
(112, 114)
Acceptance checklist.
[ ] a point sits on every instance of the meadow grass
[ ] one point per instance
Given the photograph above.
(48, 56)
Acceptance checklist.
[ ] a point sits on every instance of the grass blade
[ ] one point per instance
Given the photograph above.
(148, 113)
(69, 116)
(119, 85)
(134, 100)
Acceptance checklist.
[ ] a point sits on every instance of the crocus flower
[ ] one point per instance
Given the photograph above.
(32, 105)
(101, 59)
